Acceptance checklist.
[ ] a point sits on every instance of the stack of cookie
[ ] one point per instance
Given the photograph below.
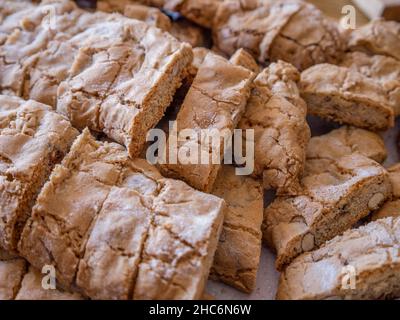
(81, 90)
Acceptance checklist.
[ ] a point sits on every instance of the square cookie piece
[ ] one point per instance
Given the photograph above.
(346, 96)
(33, 139)
(348, 267)
(214, 105)
(238, 253)
(341, 185)
(114, 228)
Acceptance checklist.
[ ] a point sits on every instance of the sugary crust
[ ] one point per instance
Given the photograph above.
(345, 96)
(101, 210)
(33, 139)
(292, 31)
(345, 141)
(152, 16)
(340, 186)
(102, 92)
(371, 251)
(377, 37)
(242, 58)
(216, 100)
(277, 115)
(238, 253)
(104, 71)
(383, 69)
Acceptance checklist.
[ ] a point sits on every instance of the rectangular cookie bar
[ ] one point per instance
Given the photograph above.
(238, 253)
(277, 115)
(33, 139)
(391, 208)
(215, 101)
(106, 72)
(363, 263)
(122, 85)
(377, 37)
(346, 96)
(383, 69)
(340, 186)
(293, 31)
(114, 228)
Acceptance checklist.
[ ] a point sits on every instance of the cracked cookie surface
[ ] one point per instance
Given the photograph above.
(33, 139)
(377, 37)
(366, 258)
(383, 69)
(215, 102)
(346, 96)
(238, 253)
(277, 115)
(340, 186)
(292, 31)
(102, 210)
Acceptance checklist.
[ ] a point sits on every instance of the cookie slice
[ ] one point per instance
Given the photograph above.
(382, 69)
(102, 211)
(377, 37)
(213, 106)
(33, 139)
(346, 96)
(293, 31)
(238, 253)
(340, 187)
(361, 264)
(277, 115)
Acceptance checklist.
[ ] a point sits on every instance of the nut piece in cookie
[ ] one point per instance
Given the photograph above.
(346, 96)
(33, 139)
(214, 104)
(293, 31)
(348, 267)
(377, 37)
(238, 253)
(277, 115)
(340, 187)
(102, 211)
